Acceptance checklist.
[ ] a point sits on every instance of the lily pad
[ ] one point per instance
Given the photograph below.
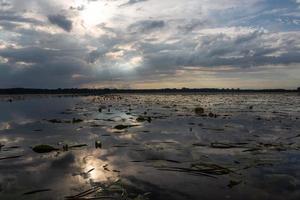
(55, 121)
(74, 120)
(199, 110)
(143, 119)
(44, 148)
(121, 126)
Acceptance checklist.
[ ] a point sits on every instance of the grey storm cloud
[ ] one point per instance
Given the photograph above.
(131, 2)
(10, 16)
(47, 68)
(146, 25)
(30, 54)
(245, 51)
(61, 21)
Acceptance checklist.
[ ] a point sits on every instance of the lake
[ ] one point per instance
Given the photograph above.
(152, 146)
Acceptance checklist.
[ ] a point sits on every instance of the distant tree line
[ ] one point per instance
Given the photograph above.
(86, 91)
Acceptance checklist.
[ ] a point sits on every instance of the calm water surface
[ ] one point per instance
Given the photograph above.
(153, 147)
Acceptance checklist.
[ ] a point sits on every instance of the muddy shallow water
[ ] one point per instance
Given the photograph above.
(243, 146)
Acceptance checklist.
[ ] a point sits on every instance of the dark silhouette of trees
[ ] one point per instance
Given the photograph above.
(85, 91)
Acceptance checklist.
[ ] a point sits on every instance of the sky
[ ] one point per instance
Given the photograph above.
(150, 43)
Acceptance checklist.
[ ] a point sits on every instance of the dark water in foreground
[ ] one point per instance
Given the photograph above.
(248, 148)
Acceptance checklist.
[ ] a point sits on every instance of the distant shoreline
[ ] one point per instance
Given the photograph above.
(76, 91)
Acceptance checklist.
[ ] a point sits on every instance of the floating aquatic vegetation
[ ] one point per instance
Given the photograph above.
(36, 191)
(58, 121)
(96, 125)
(199, 110)
(90, 170)
(121, 127)
(44, 148)
(78, 146)
(228, 145)
(10, 157)
(233, 183)
(84, 193)
(253, 149)
(260, 162)
(271, 147)
(105, 167)
(155, 160)
(143, 119)
(115, 190)
(199, 144)
(121, 145)
(211, 168)
(190, 171)
(98, 144)
(85, 175)
(55, 121)
(66, 147)
(9, 148)
(74, 120)
(229, 150)
(212, 115)
(289, 138)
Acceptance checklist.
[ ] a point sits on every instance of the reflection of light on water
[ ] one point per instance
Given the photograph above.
(5, 126)
(94, 168)
(96, 173)
(128, 136)
(9, 141)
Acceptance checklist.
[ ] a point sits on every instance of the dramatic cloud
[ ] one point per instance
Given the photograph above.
(61, 21)
(146, 25)
(154, 43)
(130, 2)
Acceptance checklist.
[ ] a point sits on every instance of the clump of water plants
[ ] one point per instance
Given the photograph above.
(211, 168)
(78, 145)
(55, 121)
(199, 110)
(66, 147)
(143, 119)
(44, 148)
(74, 120)
(115, 190)
(36, 191)
(98, 144)
(10, 157)
(233, 183)
(212, 115)
(121, 126)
